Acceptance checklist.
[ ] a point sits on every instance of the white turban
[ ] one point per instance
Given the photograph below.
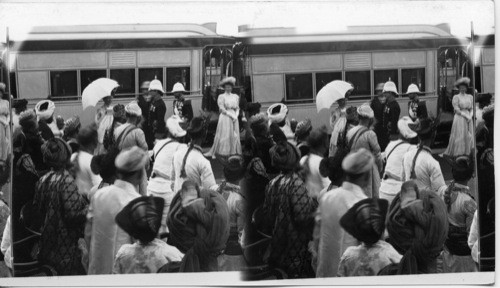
(133, 108)
(47, 113)
(174, 128)
(279, 116)
(366, 111)
(404, 128)
(130, 160)
(358, 162)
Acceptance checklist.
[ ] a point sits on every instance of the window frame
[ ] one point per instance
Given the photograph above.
(403, 89)
(126, 95)
(65, 97)
(325, 72)
(300, 101)
(371, 77)
(80, 88)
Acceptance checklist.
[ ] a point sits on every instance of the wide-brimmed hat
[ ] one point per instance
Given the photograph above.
(412, 89)
(463, 81)
(228, 80)
(45, 109)
(365, 220)
(141, 217)
(404, 127)
(390, 86)
(131, 160)
(423, 127)
(156, 85)
(174, 127)
(178, 87)
(365, 111)
(277, 112)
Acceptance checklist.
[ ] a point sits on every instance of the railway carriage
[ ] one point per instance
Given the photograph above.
(270, 64)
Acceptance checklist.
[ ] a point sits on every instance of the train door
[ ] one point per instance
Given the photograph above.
(453, 63)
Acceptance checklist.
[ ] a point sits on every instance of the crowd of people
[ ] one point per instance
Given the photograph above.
(135, 192)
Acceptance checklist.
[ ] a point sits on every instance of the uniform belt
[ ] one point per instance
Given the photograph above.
(156, 174)
(388, 175)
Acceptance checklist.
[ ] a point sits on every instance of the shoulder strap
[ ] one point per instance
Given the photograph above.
(412, 173)
(161, 148)
(356, 136)
(124, 134)
(392, 150)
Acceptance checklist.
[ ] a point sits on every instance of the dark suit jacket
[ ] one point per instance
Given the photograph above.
(421, 110)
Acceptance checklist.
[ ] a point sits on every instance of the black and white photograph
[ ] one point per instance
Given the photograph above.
(247, 142)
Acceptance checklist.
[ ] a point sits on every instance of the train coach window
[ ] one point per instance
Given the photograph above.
(87, 76)
(299, 87)
(324, 78)
(179, 74)
(126, 79)
(361, 82)
(149, 74)
(413, 76)
(63, 83)
(382, 76)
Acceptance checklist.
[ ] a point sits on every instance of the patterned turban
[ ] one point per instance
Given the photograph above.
(284, 156)
(72, 125)
(56, 153)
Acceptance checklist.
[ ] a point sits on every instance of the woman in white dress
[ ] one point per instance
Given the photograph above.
(104, 121)
(461, 131)
(227, 138)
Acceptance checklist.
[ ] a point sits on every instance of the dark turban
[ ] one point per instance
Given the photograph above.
(418, 231)
(56, 153)
(141, 218)
(284, 156)
(365, 220)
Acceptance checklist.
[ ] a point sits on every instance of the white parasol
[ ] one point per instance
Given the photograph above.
(332, 92)
(97, 90)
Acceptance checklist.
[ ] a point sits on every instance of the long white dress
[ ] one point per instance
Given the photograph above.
(227, 137)
(461, 131)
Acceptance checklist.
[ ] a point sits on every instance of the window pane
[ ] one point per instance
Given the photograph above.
(298, 87)
(413, 76)
(13, 84)
(324, 78)
(63, 83)
(361, 82)
(150, 74)
(181, 74)
(382, 76)
(87, 76)
(126, 79)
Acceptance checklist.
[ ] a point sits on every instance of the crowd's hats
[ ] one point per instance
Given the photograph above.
(133, 108)
(197, 127)
(412, 89)
(27, 119)
(484, 98)
(20, 104)
(45, 109)
(118, 111)
(156, 85)
(145, 85)
(303, 128)
(365, 111)
(423, 127)
(365, 220)
(277, 134)
(228, 80)
(489, 114)
(253, 108)
(141, 217)
(258, 122)
(463, 81)
(174, 127)
(358, 162)
(404, 127)
(390, 86)
(56, 152)
(277, 112)
(131, 160)
(104, 164)
(178, 87)
(234, 168)
(284, 155)
(72, 125)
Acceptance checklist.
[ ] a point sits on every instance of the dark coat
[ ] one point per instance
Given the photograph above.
(421, 110)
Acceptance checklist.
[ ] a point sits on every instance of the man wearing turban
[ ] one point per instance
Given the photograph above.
(45, 114)
(277, 113)
(333, 239)
(102, 233)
